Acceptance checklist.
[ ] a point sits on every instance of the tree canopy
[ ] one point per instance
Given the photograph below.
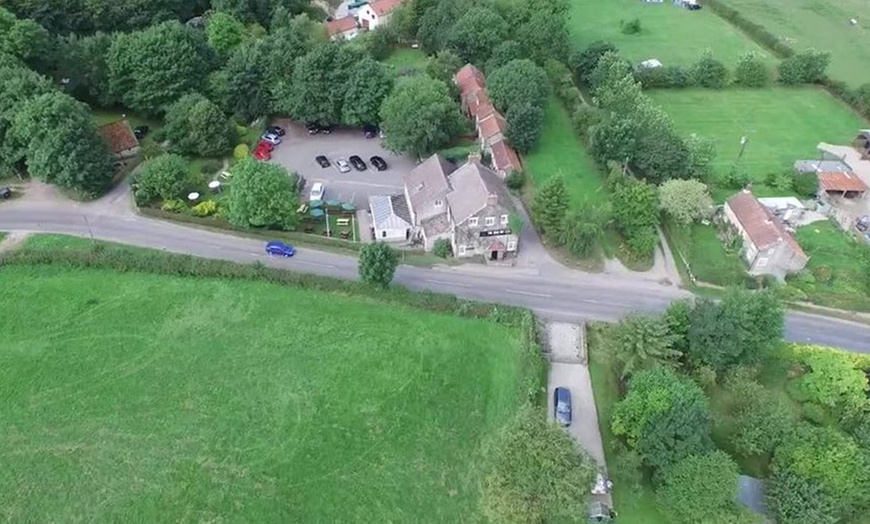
(518, 83)
(699, 488)
(550, 205)
(368, 85)
(475, 34)
(685, 201)
(419, 116)
(196, 126)
(164, 176)
(377, 264)
(319, 85)
(640, 342)
(263, 195)
(224, 32)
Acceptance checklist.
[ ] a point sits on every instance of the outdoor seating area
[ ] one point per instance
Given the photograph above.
(329, 218)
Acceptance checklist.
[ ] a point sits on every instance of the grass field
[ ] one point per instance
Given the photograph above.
(819, 24)
(406, 58)
(707, 257)
(781, 125)
(147, 398)
(675, 36)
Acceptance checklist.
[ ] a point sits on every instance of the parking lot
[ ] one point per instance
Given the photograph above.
(298, 150)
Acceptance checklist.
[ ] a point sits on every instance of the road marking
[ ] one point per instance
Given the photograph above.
(448, 283)
(529, 293)
(318, 264)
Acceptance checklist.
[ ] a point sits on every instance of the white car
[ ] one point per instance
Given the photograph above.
(272, 138)
(317, 191)
(342, 165)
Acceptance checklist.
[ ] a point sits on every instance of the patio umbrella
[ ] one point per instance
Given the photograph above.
(315, 203)
(333, 203)
(348, 207)
(316, 213)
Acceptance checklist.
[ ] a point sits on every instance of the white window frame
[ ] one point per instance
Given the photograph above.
(504, 220)
(489, 221)
(461, 251)
(472, 222)
(512, 245)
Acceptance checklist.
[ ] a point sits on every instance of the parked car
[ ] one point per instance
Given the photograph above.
(271, 138)
(358, 163)
(141, 132)
(5, 193)
(322, 160)
(562, 406)
(370, 131)
(317, 191)
(379, 163)
(342, 166)
(326, 129)
(275, 130)
(313, 129)
(262, 144)
(280, 248)
(261, 153)
(863, 223)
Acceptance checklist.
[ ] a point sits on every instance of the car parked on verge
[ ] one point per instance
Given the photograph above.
(317, 191)
(370, 131)
(5, 193)
(562, 406)
(313, 129)
(379, 163)
(275, 130)
(342, 166)
(358, 163)
(326, 129)
(322, 160)
(280, 248)
(271, 138)
(863, 223)
(141, 132)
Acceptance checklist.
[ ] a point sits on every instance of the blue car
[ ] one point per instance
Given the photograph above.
(280, 248)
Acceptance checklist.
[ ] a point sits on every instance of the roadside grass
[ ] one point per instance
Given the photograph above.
(406, 58)
(635, 507)
(708, 259)
(834, 274)
(782, 125)
(168, 398)
(823, 25)
(675, 36)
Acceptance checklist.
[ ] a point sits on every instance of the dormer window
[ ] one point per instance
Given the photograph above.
(472, 222)
(439, 202)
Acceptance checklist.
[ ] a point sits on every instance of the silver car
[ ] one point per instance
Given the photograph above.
(342, 165)
(272, 138)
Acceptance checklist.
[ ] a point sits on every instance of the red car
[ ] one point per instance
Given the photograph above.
(262, 153)
(262, 144)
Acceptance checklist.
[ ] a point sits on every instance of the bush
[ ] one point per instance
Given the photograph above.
(665, 77)
(751, 71)
(205, 208)
(584, 117)
(782, 180)
(755, 31)
(377, 264)
(632, 27)
(212, 166)
(442, 248)
(805, 184)
(641, 242)
(516, 180)
(804, 68)
(709, 72)
(174, 205)
(162, 177)
(736, 178)
(241, 152)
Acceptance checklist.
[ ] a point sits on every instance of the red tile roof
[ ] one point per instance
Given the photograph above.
(841, 181)
(119, 136)
(763, 229)
(504, 158)
(469, 79)
(479, 105)
(384, 7)
(342, 25)
(492, 125)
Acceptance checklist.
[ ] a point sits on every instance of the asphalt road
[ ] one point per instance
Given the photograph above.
(562, 294)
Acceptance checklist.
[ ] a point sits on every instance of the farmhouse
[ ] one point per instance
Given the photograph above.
(342, 29)
(468, 205)
(767, 247)
(373, 15)
(120, 139)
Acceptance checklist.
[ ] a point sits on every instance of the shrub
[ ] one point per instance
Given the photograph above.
(781, 180)
(516, 180)
(736, 178)
(751, 71)
(709, 72)
(641, 242)
(804, 68)
(211, 166)
(241, 151)
(377, 264)
(805, 184)
(584, 117)
(699, 488)
(442, 248)
(162, 177)
(755, 31)
(632, 27)
(174, 205)
(665, 77)
(205, 208)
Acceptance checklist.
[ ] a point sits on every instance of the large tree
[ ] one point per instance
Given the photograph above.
(225, 33)
(518, 83)
(19, 85)
(833, 380)
(535, 472)
(28, 41)
(476, 33)
(685, 201)
(368, 85)
(525, 123)
(320, 80)
(640, 341)
(584, 62)
(263, 195)
(247, 84)
(164, 176)
(699, 488)
(152, 68)
(196, 126)
(545, 36)
(635, 205)
(760, 418)
(61, 143)
(583, 228)
(550, 205)
(419, 116)
(84, 69)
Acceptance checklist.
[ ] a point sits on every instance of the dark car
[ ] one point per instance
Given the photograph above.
(379, 163)
(322, 160)
(280, 248)
(275, 130)
(141, 131)
(863, 223)
(313, 129)
(370, 131)
(5, 193)
(358, 163)
(562, 406)
(326, 129)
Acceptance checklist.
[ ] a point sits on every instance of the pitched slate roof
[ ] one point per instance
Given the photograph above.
(384, 7)
(473, 184)
(390, 212)
(426, 181)
(119, 136)
(342, 25)
(761, 227)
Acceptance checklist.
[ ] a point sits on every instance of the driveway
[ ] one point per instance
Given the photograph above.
(298, 150)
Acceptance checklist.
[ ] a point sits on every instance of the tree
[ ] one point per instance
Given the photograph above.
(660, 153)
(664, 417)
(477, 31)
(150, 69)
(259, 11)
(583, 228)
(443, 66)
(368, 86)
(699, 488)
(247, 84)
(320, 80)
(535, 472)
(678, 319)
(419, 116)
(196, 126)
(27, 41)
(639, 342)
(164, 177)
(550, 205)
(760, 418)
(685, 201)
(583, 63)
(742, 329)
(804, 68)
(279, 51)
(709, 72)
(18, 86)
(751, 71)
(834, 381)
(614, 139)
(793, 499)
(84, 65)
(635, 205)
(224, 32)
(61, 143)
(701, 153)
(377, 264)
(524, 127)
(806, 184)
(544, 36)
(503, 53)
(518, 83)
(609, 68)
(263, 196)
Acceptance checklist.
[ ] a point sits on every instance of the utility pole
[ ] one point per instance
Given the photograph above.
(743, 141)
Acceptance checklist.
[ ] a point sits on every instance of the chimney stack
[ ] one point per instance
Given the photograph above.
(474, 157)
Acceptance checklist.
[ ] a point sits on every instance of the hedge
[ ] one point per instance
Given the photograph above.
(755, 31)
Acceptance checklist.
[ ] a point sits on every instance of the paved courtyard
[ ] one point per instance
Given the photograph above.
(298, 150)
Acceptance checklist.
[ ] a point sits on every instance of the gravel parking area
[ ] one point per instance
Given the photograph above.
(298, 150)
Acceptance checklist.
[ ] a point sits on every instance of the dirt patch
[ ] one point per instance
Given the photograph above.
(566, 342)
(12, 241)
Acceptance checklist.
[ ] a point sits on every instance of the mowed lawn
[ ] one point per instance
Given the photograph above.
(820, 24)
(781, 125)
(673, 35)
(145, 398)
